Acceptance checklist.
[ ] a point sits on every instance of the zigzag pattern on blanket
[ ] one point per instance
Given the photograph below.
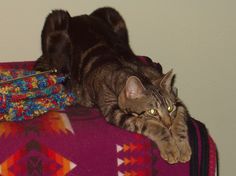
(29, 97)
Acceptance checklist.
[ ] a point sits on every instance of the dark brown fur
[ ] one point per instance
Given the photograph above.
(94, 50)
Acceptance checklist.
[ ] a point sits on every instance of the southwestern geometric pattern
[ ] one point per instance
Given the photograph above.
(135, 158)
(36, 159)
(51, 122)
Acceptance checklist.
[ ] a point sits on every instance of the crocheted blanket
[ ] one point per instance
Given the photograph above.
(26, 94)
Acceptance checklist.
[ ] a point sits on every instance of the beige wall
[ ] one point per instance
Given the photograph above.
(196, 38)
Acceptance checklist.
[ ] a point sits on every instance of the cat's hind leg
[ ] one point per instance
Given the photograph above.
(113, 19)
(56, 44)
(56, 21)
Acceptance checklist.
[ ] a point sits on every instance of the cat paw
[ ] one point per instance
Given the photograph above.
(134, 124)
(170, 153)
(185, 152)
(180, 134)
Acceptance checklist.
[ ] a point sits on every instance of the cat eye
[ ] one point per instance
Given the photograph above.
(152, 112)
(170, 108)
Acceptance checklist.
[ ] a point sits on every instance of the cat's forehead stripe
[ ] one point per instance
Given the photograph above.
(158, 96)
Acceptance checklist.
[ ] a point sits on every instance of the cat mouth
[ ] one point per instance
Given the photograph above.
(158, 117)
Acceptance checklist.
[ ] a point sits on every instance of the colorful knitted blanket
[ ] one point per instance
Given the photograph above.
(27, 94)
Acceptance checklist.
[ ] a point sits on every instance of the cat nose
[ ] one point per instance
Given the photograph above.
(167, 122)
(167, 125)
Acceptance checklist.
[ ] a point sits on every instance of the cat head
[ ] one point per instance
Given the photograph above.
(152, 101)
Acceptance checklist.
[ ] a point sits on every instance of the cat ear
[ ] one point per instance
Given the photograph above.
(167, 80)
(134, 87)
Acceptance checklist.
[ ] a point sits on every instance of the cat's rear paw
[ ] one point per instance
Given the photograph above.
(41, 64)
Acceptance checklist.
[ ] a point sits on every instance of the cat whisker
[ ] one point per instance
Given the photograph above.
(135, 114)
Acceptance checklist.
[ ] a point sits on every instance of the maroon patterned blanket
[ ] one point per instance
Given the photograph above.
(78, 141)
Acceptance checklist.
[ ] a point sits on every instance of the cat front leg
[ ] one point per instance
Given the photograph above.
(129, 122)
(149, 128)
(164, 140)
(179, 131)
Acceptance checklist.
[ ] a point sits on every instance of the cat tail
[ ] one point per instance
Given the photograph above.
(112, 17)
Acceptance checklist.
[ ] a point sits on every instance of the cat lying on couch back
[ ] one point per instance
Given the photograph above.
(94, 51)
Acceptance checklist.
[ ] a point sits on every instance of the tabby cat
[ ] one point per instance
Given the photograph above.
(94, 51)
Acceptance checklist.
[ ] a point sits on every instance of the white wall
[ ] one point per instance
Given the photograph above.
(196, 38)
